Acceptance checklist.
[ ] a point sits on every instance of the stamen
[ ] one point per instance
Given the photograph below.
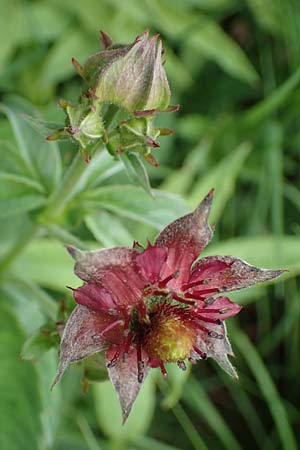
(202, 354)
(113, 361)
(163, 369)
(209, 310)
(182, 300)
(164, 282)
(202, 328)
(181, 365)
(186, 287)
(210, 333)
(161, 293)
(208, 319)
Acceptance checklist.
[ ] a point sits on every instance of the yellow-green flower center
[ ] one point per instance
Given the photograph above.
(170, 337)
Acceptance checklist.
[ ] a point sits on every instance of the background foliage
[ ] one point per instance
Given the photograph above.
(233, 66)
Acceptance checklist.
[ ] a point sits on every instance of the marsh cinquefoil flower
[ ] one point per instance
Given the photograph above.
(146, 307)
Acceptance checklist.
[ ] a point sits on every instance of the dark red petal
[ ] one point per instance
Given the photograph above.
(149, 263)
(124, 376)
(94, 297)
(226, 307)
(114, 270)
(81, 337)
(185, 239)
(227, 273)
(123, 284)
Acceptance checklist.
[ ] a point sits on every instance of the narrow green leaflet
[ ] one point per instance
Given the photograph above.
(222, 178)
(136, 170)
(57, 66)
(108, 229)
(198, 400)
(20, 204)
(268, 389)
(133, 203)
(268, 13)
(30, 305)
(42, 158)
(208, 39)
(20, 405)
(54, 272)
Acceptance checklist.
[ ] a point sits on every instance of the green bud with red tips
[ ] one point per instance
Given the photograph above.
(130, 80)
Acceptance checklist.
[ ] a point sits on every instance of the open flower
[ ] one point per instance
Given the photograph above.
(146, 307)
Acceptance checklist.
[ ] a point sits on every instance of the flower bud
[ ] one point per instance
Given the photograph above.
(131, 79)
(137, 80)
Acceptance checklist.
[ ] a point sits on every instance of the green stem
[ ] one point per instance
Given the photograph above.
(65, 192)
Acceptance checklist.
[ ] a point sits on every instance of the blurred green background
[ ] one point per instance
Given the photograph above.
(234, 67)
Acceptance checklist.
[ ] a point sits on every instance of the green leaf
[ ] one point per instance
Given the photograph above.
(28, 302)
(268, 13)
(268, 106)
(42, 158)
(133, 203)
(45, 23)
(20, 404)
(100, 169)
(108, 230)
(40, 342)
(136, 170)
(20, 180)
(179, 181)
(9, 23)
(268, 389)
(209, 40)
(47, 262)
(109, 415)
(57, 66)
(222, 178)
(20, 204)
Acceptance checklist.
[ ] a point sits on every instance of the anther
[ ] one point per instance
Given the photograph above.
(202, 354)
(215, 335)
(181, 365)
(111, 364)
(96, 336)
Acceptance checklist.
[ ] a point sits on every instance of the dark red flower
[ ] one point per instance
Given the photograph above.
(145, 307)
